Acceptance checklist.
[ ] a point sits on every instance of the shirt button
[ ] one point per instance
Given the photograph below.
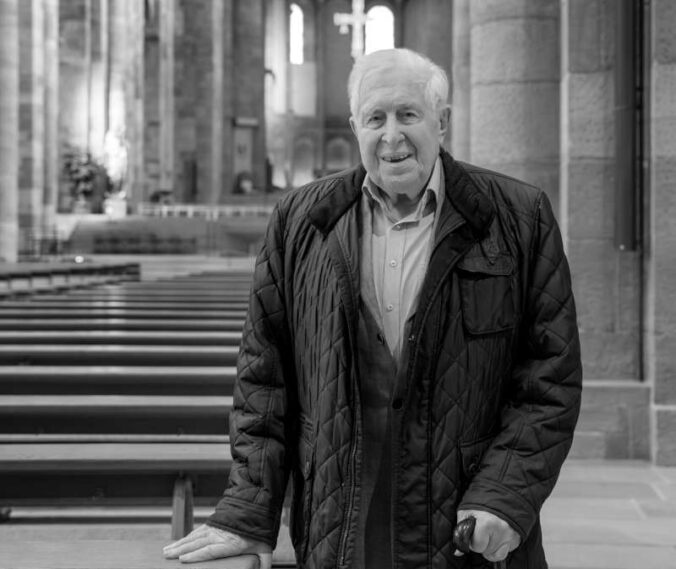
(390, 307)
(380, 338)
(393, 263)
(397, 404)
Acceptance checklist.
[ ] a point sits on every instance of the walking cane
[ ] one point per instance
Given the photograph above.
(462, 536)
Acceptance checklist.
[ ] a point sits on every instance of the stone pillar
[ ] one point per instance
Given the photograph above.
(51, 134)
(217, 110)
(320, 57)
(515, 89)
(31, 123)
(661, 254)
(228, 62)
(124, 101)
(461, 82)
(81, 118)
(195, 109)
(606, 281)
(249, 45)
(9, 130)
(135, 107)
(427, 25)
(167, 9)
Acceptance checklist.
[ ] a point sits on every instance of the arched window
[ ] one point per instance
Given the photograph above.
(379, 29)
(296, 35)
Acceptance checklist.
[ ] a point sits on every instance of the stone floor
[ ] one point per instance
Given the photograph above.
(602, 515)
(612, 515)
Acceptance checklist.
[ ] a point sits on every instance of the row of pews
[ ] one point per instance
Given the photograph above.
(119, 395)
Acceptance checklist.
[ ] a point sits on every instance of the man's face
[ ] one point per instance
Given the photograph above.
(398, 134)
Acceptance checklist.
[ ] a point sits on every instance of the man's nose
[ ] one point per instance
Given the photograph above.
(392, 133)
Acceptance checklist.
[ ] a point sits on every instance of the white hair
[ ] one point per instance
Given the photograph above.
(435, 78)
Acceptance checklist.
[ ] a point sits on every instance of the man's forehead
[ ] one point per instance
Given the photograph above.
(391, 92)
(393, 76)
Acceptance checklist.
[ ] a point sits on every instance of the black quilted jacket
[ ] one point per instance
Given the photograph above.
(485, 416)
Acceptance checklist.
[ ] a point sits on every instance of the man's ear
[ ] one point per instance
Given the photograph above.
(444, 120)
(353, 125)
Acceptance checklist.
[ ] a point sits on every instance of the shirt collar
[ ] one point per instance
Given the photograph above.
(430, 202)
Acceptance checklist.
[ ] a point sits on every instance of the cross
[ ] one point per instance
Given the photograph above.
(356, 19)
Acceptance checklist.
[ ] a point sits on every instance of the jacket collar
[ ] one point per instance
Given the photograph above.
(343, 193)
(474, 206)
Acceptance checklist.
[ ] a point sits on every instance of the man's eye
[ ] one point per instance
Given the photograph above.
(409, 115)
(373, 120)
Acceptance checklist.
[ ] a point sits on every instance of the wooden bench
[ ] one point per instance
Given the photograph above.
(148, 296)
(130, 380)
(118, 337)
(32, 305)
(127, 313)
(95, 323)
(114, 414)
(29, 278)
(138, 417)
(181, 461)
(113, 554)
(55, 354)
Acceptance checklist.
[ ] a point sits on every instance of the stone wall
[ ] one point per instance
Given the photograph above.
(661, 249)
(606, 281)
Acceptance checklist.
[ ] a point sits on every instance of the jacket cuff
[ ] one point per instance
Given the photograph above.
(246, 520)
(502, 502)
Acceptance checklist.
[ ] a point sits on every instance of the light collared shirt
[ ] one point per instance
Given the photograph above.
(395, 255)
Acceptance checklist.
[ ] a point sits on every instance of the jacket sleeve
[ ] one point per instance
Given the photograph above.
(520, 467)
(251, 504)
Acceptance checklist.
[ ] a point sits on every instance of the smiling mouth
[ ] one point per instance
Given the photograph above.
(394, 158)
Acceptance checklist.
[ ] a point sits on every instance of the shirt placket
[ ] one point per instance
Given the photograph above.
(391, 284)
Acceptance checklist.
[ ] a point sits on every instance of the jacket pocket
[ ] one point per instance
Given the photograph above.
(471, 455)
(486, 294)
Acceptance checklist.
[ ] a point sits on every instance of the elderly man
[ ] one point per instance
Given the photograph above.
(410, 356)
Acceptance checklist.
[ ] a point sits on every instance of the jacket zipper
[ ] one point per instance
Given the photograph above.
(352, 475)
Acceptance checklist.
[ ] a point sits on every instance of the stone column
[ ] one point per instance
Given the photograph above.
(661, 253)
(249, 47)
(136, 190)
(75, 88)
(198, 159)
(167, 121)
(31, 122)
(124, 107)
(9, 130)
(461, 82)
(606, 281)
(320, 46)
(515, 89)
(217, 110)
(427, 26)
(51, 135)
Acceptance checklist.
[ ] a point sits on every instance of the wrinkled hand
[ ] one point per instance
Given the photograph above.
(205, 543)
(493, 537)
